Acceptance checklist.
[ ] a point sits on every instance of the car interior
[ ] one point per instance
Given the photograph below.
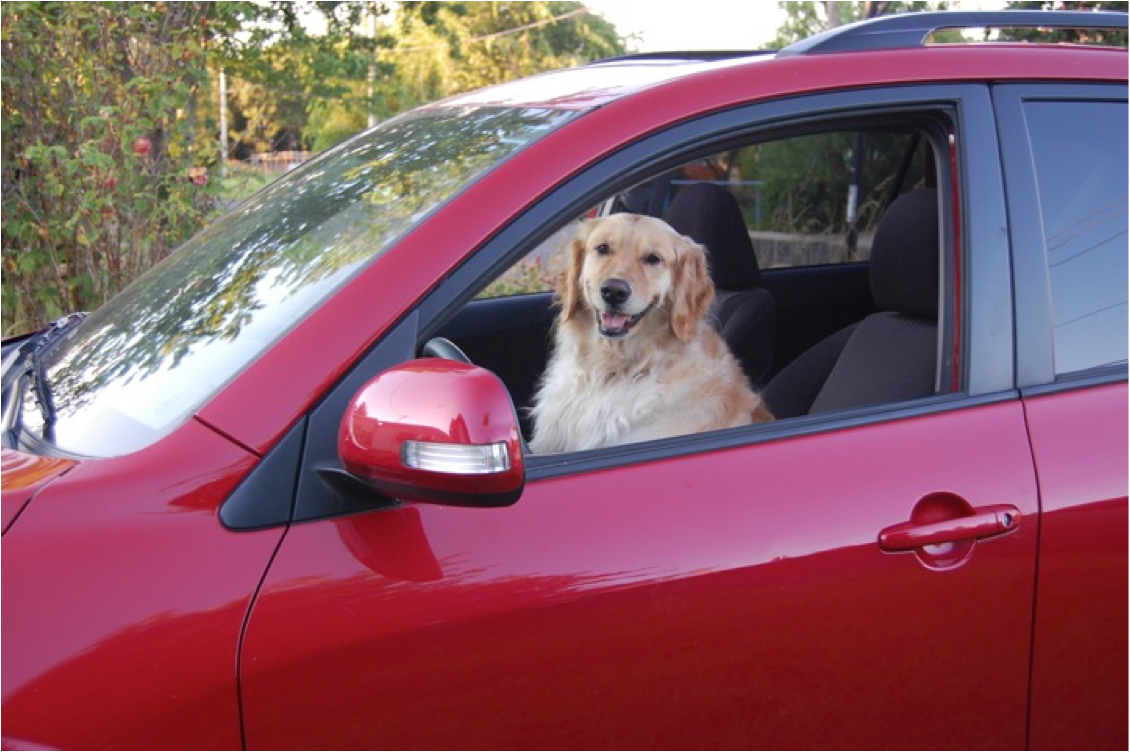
(824, 252)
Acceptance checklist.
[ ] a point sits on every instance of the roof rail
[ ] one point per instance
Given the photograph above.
(681, 55)
(913, 29)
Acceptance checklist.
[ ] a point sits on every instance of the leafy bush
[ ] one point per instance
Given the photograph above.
(102, 177)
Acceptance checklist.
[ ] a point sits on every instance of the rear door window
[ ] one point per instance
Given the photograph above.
(1080, 156)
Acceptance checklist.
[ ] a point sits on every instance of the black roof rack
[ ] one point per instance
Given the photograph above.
(681, 55)
(913, 29)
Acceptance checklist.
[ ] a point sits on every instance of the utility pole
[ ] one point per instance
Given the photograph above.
(223, 123)
(373, 66)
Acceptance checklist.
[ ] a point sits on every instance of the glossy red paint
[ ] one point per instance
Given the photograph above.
(132, 618)
(1079, 441)
(23, 475)
(676, 604)
(434, 401)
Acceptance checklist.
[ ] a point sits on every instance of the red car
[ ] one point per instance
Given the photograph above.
(277, 494)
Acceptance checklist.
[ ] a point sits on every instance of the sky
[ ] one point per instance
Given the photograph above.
(665, 25)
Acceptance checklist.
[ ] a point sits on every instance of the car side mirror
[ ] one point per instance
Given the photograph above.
(435, 431)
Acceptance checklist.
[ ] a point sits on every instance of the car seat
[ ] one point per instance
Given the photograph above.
(744, 311)
(890, 355)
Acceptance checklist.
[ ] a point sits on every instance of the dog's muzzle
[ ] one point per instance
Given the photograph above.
(612, 324)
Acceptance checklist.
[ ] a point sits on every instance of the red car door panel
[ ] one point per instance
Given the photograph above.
(1079, 685)
(733, 598)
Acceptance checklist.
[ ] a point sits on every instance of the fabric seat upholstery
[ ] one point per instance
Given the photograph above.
(891, 355)
(744, 311)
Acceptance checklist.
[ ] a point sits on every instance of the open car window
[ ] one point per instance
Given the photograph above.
(807, 200)
(809, 205)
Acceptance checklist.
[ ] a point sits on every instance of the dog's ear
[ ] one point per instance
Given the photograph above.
(693, 292)
(569, 281)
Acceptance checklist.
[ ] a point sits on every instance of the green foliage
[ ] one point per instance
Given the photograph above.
(455, 47)
(432, 50)
(807, 179)
(807, 18)
(282, 74)
(527, 276)
(241, 181)
(1068, 36)
(101, 173)
(111, 112)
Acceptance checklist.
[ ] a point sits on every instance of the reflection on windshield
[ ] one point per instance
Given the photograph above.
(140, 365)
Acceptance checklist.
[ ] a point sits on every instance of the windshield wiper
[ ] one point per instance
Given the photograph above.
(26, 366)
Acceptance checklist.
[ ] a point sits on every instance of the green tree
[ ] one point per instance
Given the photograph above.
(111, 125)
(102, 174)
(1072, 36)
(292, 63)
(444, 48)
(112, 116)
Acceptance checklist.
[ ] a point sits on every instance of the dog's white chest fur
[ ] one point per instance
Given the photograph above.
(586, 410)
(595, 395)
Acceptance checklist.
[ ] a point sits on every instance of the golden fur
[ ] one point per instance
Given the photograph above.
(634, 356)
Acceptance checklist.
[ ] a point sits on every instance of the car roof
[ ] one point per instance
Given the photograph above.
(600, 83)
(594, 84)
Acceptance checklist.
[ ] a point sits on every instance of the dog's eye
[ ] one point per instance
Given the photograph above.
(603, 249)
(652, 259)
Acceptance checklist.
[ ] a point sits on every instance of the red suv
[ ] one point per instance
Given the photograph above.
(277, 494)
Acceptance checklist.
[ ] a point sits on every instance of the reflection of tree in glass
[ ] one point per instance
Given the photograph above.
(260, 269)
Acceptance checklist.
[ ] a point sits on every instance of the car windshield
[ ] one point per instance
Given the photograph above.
(142, 364)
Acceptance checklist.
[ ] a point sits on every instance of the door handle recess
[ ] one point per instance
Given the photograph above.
(984, 522)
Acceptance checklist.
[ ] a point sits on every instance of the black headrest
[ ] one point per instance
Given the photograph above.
(709, 215)
(904, 256)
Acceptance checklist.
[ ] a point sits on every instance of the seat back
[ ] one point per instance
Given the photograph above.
(744, 311)
(891, 355)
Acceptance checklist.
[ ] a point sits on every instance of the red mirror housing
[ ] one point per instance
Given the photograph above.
(436, 431)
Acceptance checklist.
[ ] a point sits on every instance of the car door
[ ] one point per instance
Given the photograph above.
(1068, 201)
(721, 590)
(734, 598)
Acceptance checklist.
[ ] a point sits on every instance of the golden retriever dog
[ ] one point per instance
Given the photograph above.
(635, 356)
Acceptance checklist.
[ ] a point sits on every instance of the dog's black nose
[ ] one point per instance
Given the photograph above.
(615, 291)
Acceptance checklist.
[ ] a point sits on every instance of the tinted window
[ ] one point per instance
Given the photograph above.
(1080, 158)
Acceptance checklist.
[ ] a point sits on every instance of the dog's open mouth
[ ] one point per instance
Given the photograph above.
(613, 324)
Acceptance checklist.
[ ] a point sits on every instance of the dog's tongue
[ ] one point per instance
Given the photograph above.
(613, 322)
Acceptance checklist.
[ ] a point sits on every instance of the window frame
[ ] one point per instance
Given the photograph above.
(1034, 314)
(984, 349)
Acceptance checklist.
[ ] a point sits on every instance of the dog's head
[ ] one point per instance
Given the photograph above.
(629, 270)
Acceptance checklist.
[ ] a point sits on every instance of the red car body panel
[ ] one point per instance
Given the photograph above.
(609, 605)
(24, 474)
(1079, 440)
(137, 591)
